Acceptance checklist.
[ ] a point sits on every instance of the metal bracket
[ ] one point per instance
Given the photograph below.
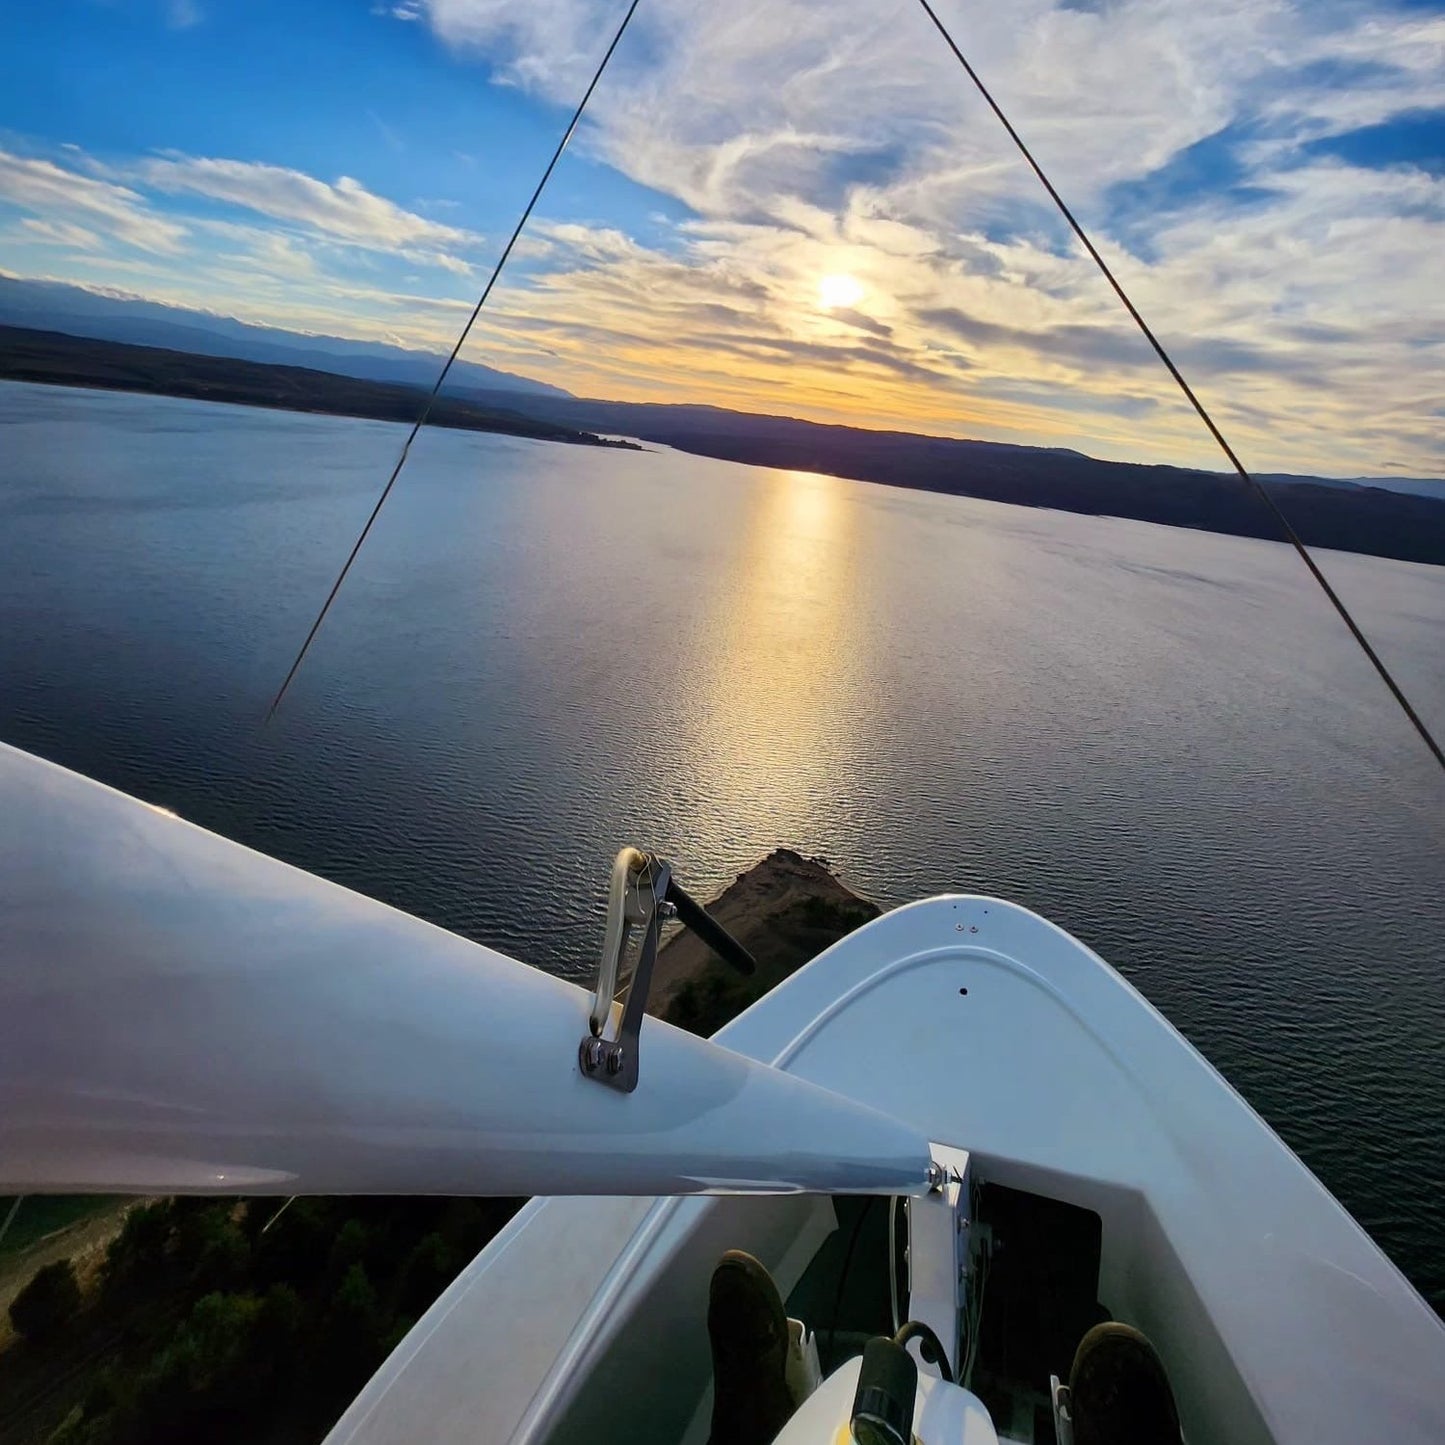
(614, 1061)
(938, 1251)
(643, 893)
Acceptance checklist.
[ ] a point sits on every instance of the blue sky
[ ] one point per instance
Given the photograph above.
(326, 87)
(781, 205)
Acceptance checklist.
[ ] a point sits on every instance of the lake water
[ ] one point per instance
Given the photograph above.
(1162, 739)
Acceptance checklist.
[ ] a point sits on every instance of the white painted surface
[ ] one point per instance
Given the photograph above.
(943, 1414)
(938, 1256)
(1277, 1317)
(178, 1013)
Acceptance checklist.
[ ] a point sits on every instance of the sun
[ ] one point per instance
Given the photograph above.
(839, 289)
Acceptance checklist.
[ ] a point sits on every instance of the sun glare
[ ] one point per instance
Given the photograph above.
(839, 290)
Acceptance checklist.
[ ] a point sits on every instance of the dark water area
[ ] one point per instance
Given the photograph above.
(1161, 739)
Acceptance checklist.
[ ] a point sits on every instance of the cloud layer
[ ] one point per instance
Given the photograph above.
(345, 210)
(1298, 289)
(1229, 157)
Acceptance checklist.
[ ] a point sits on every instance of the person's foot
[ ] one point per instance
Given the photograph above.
(1118, 1391)
(749, 1332)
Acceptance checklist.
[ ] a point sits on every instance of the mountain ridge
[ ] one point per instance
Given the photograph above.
(52, 357)
(134, 321)
(1325, 512)
(1402, 518)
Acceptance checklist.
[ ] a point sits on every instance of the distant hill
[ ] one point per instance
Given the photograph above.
(1387, 517)
(1366, 516)
(51, 356)
(1414, 486)
(77, 311)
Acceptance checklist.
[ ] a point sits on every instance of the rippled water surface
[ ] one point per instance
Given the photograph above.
(1160, 738)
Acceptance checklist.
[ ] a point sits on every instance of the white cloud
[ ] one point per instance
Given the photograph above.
(549, 46)
(78, 203)
(183, 14)
(442, 261)
(714, 103)
(1389, 67)
(60, 195)
(272, 253)
(61, 233)
(846, 139)
(1299, 291)
(345, 209)
(284, 249)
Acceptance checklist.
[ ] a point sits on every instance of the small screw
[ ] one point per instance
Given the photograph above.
(614, 1061)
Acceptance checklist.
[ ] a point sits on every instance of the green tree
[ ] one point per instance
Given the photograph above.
(350, 1247)
(209, 1244)
(278, 1332)
(137, 1255)
(352, 1333)
(295, 1249)
(43, 1308)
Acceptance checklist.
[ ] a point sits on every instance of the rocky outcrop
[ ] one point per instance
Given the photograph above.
(784, 910)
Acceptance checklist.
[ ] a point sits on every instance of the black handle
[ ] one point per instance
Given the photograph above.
(887, 1392)
(707, 928)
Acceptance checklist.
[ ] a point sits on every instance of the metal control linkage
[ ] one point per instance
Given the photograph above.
(692, 914)
(643, 894)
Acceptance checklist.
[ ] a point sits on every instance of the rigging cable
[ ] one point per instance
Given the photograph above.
(455, 352)
(1259, 489)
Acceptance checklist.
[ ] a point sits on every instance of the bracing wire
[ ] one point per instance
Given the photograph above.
(455, 352)
(1257, 487)
(10, 1217)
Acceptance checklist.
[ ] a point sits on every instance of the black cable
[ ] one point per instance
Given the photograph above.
(1261, 491)
(843, 1273)
(929, 1344)
(456, 351)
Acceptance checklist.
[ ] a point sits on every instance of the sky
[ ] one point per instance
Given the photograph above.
(786, 206)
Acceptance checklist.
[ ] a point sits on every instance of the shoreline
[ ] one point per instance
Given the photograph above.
(52, 358)
(785, 910)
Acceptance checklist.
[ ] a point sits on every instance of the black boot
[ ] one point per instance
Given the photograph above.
(1118, 1391)
(749, 1333)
